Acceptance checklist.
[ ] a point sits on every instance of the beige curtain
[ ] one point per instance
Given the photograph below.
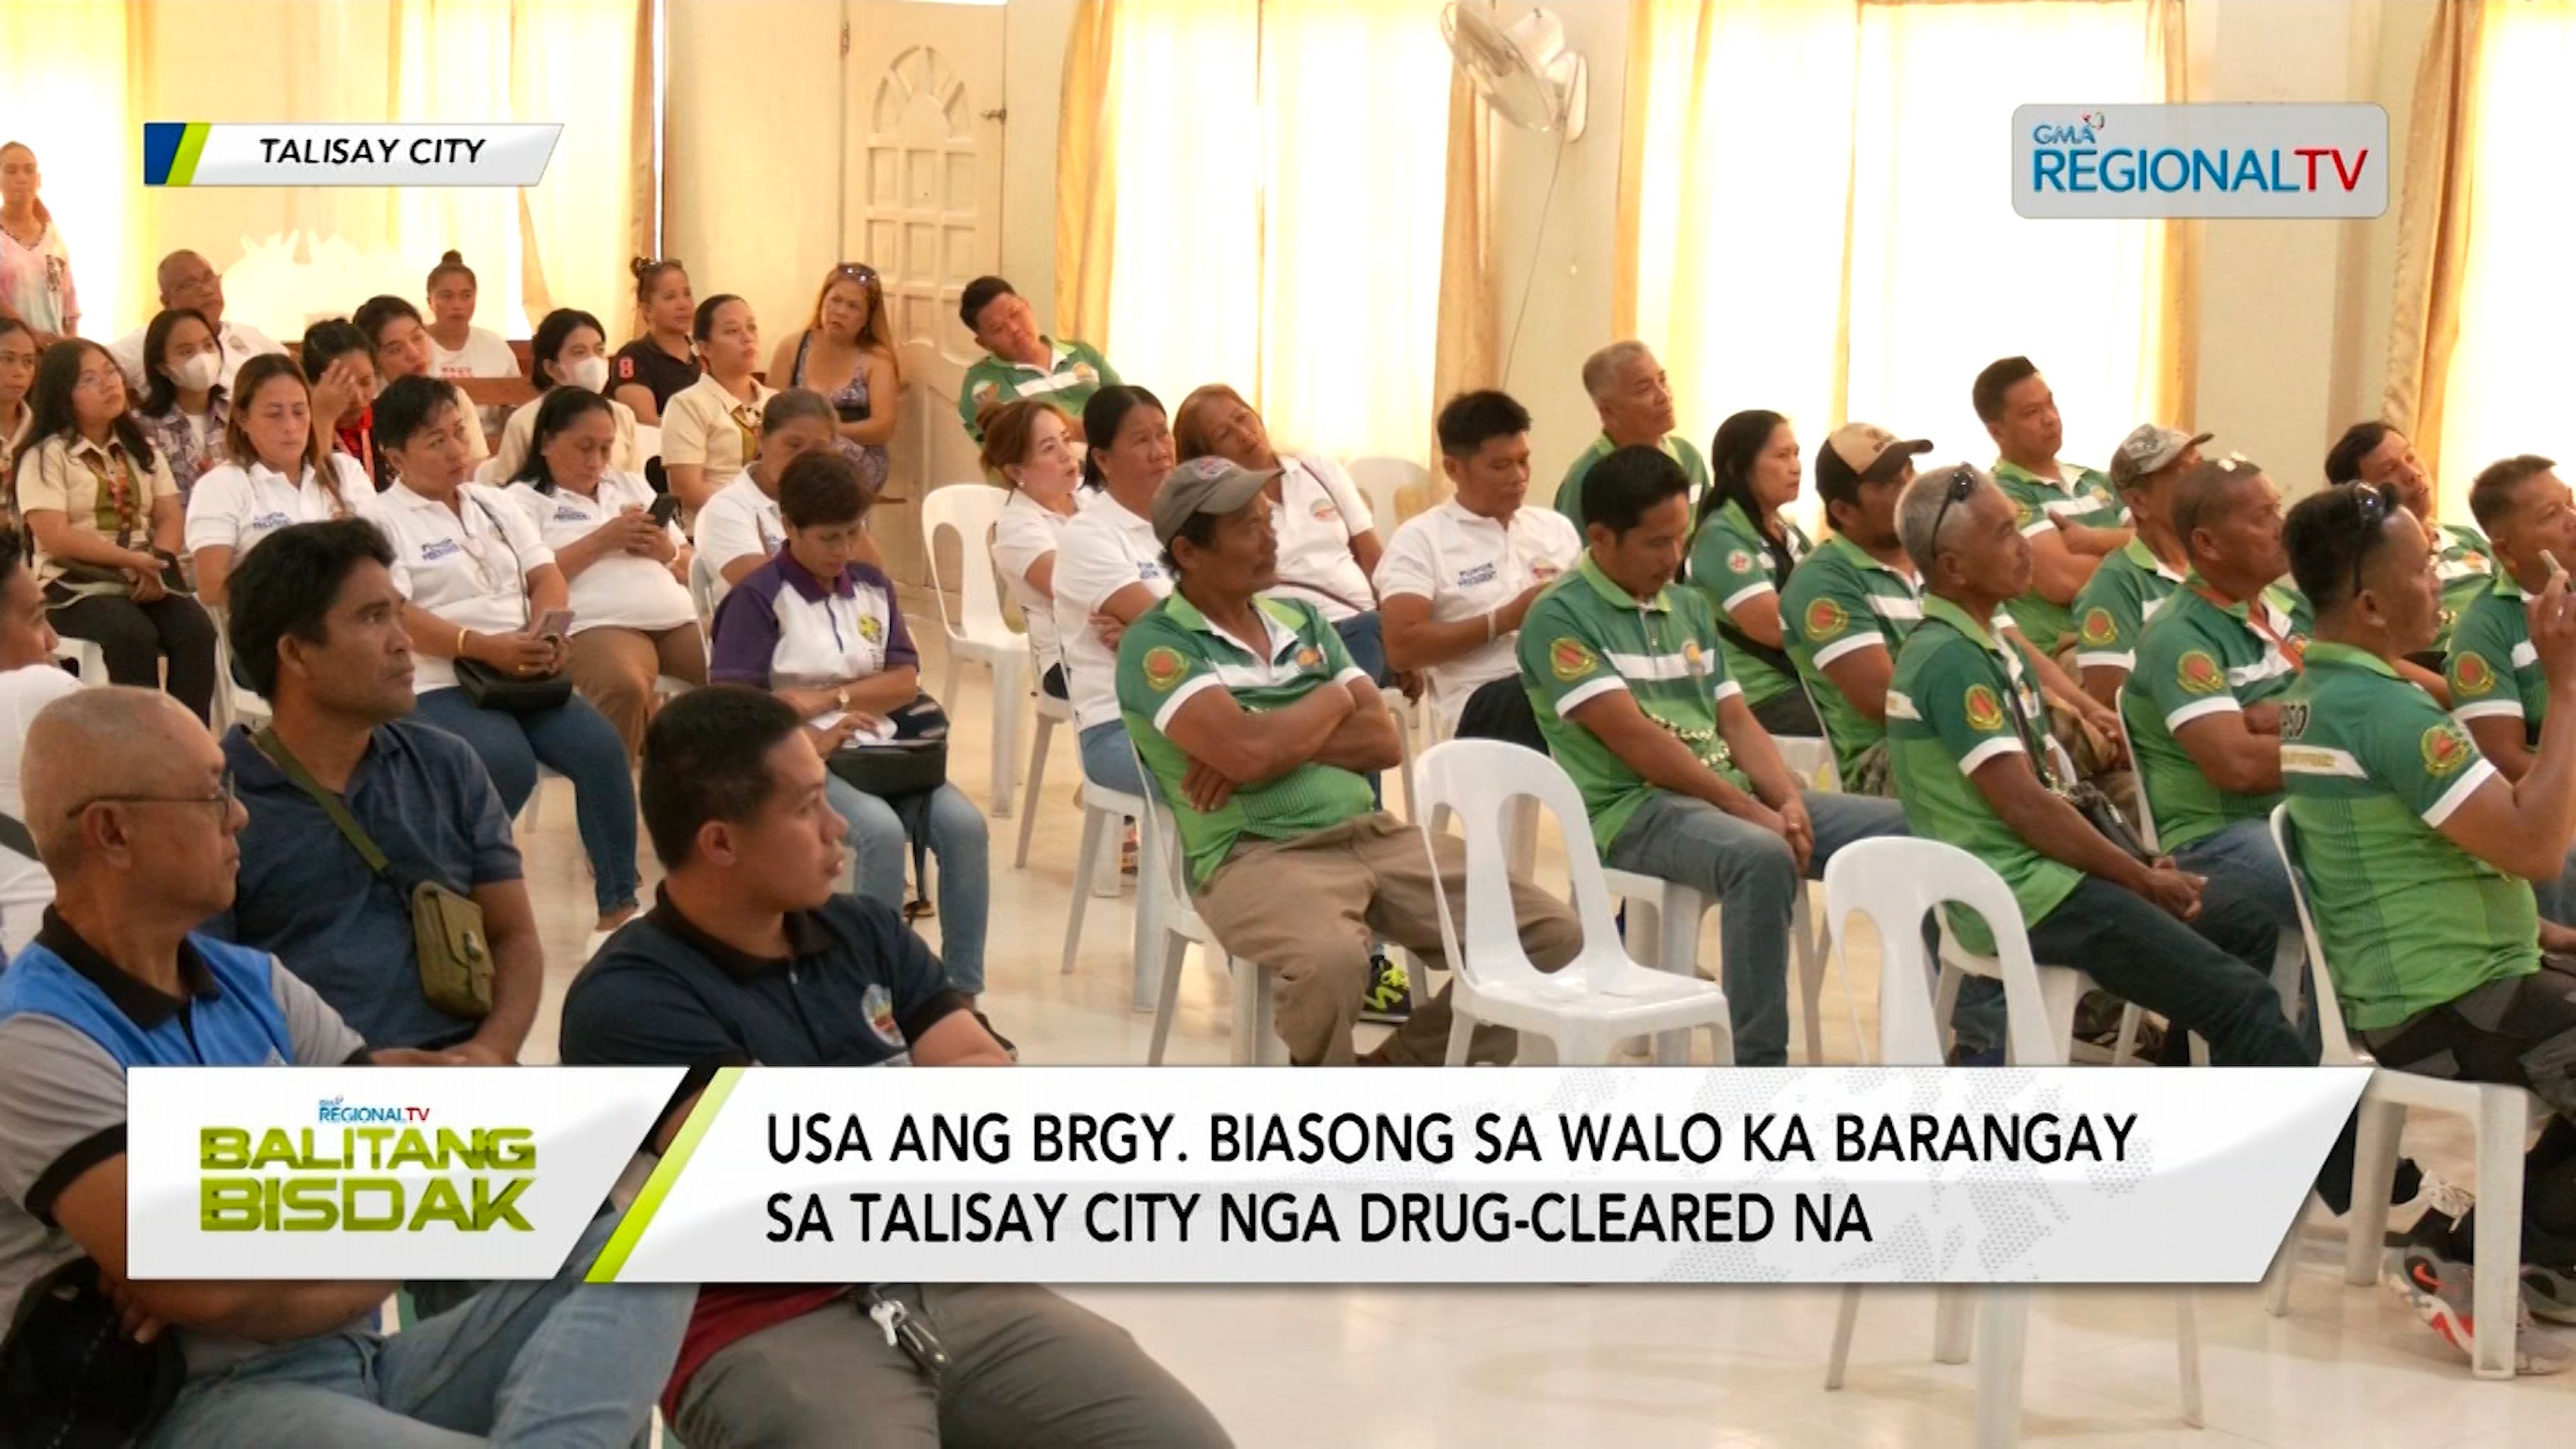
(2433, 232)
(1465, 356)
(2178, 342)
(1086, 178)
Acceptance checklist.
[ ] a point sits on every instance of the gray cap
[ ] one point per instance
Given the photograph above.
(2148, 447)
(1203, 485)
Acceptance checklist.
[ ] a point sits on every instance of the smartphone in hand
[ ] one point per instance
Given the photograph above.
(556, 624)
(666, 506)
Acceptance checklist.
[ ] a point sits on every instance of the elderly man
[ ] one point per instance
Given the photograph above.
(1019, 361)
(189, 280)
(2133, 583)
(2463, 564)
(1627, 385)
(133, 810)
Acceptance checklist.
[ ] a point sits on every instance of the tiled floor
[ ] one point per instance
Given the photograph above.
(1655, 1366)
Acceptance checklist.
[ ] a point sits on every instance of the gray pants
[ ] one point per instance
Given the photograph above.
(1025, 1368)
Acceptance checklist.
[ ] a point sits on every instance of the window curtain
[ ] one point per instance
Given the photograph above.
(1466, 355)
(1813, 222)
(1086, 182)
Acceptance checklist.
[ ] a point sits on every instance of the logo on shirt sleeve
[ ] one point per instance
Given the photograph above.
(2099, 627)
(1739, 562)
(1164, 668)
(2471, 675)
(1985, 711)
(2198, 673)
(1825, 619)
(878, 1003)
(2446, 749)
(1570, 660)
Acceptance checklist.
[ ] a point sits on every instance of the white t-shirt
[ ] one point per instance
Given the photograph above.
(617, 591)
(1318, 514)
(1026, 532)
(705, 426)
(1468, 565)
(483, 355)
(235, 342)
(234, 507)
(1104, 549)
(25, 888)
(469, 567)
(739, 522)
(521, 430)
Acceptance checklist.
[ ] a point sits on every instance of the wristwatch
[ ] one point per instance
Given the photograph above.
(841, 697)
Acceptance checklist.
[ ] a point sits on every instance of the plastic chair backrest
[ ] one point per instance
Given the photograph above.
(2146, 807)
(1480, 781)
(971, 509)
(1897, 882)
(1164, 848)
(1831, 775)
(1382, 482)
(2334, 1042)
(706, 590)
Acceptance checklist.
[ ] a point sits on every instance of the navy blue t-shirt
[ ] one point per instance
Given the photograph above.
(306, 895)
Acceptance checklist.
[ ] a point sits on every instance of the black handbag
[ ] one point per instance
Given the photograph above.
(489, 688)
(915, 763)
(70, 1378)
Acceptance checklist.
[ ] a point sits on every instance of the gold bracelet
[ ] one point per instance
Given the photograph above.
(460, 642)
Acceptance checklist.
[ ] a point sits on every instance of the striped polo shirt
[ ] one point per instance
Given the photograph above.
(2197, 659)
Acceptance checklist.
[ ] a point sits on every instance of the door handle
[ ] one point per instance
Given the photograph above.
(998, 113)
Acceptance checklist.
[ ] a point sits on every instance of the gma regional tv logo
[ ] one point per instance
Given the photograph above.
(2233, 160)
(365, 1168)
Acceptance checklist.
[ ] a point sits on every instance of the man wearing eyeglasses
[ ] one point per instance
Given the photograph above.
(1020, 361)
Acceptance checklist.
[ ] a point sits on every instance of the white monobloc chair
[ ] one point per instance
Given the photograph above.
(1383, 482)
(1161, 875)
(1095, 872)
(1895, 883)
(84, 657)
(1598, 999)
(1051, 712)
(2501, 1117)
(1664, 926)
(977, 631)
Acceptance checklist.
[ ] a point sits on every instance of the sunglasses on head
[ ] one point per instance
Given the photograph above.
(1962, 482)
(857, 272)
(2375, 501)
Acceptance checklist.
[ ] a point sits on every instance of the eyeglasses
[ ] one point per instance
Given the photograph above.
(224, 799)
(1963, 481)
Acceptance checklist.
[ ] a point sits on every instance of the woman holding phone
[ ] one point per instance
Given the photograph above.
(632, 620)
(489, 631)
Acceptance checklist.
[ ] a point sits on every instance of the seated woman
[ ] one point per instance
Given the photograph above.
(1029, 446)
(341, 369)
(458, 348)
(281, 469)
(1110, 570)
(29, 680)
(569, 350)
(1328, 543)
(483, 587)
(820, 629)
(393, 328)
(739, 529)
(846, 353)
(17, 376)
(710, 430)
(184, 403)
(631, 616)
(659, 365)
(1741, 553)
(99, 502)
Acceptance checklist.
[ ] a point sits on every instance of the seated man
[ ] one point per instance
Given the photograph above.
(2203, 707)
(2418, 856)
(189, 280)
(1964, 743)
(753, 956)
(2496, 686)
(2374, 452)
(1628, 387)
(134, 814)
(1020, 361)
(317, 629)
(1258, 732)
(1851, 602)
(2125, 592)
(2070, 514)
(1681, 783)
(1458, 579)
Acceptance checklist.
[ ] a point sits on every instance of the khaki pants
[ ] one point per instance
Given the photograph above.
(1308, 908)
(615, 668)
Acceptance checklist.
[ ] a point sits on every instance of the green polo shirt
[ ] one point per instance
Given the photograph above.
(1569, 494)
(2492, 668)
(2090, 500)
(1587, 636)
(1074, 371)
(1838, 602)
(2116, 603)
(1172, 652)
(2465, 564)
(1729, 564)
(2408, 919)
(2197, 659)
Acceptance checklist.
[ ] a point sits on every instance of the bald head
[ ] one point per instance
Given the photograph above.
(189, 280)
(2210, 491)
(110, 741)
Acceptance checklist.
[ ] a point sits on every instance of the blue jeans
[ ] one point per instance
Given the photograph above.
(2242, 855)
(582, 746)
(1364, 636)
(561, 1363)
(879, 848)
(1108, 760)
(1751, 874)
(2557, 899)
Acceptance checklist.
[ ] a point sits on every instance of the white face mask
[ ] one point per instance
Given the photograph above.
(589, 374)
(199, 372)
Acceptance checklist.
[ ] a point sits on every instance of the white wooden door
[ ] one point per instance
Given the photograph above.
(924, 172)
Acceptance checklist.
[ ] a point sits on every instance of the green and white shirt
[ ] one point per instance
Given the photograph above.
(2492, 669)
(1569, 494)
(1073, 372)
(1587, 636)
(2465, 564)
(2408, 919)
(1171, 653)
(1730, 563)
(2089, 500)
(1841, 601)
(2116, 603)
(1947, 716)
(2198, 659)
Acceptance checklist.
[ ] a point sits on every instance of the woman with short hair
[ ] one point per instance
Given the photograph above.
(739, 529)
(710, 430)
(569, 350)
(184, 404)
(846, 353)
(280, 469)
(1029, 446)
(660, 363)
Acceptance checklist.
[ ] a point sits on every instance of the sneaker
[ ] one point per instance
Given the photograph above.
(2549, 1294)
(2440, 1291)
(1389, 998)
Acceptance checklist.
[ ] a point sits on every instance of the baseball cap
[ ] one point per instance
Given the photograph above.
(1860, 452)
(2148, 447)
(1203, 485)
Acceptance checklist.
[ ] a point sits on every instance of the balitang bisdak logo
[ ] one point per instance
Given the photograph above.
(370, 1168)
(2200, 161)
